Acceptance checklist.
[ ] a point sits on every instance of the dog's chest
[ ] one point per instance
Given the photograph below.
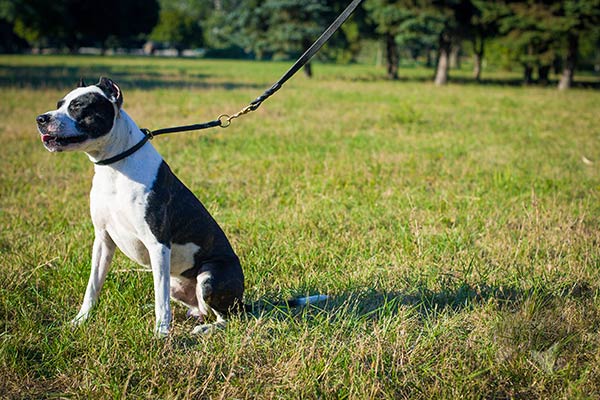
(118, 206)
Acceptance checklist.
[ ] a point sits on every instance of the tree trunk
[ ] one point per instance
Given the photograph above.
(441, 74)
(429, 60)
(543, 74)
(478, 51)
(528, 68)
(566, 79)
(455, 57)
(477, 67)
(393, 58)
(527, 74)
(307, 70)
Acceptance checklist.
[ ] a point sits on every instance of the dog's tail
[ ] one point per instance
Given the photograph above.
(291, 303)
(306, 301)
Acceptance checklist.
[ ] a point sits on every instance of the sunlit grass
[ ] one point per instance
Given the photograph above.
(455, 229)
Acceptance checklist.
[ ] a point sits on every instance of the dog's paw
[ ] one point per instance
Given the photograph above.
(161, 331)
(196, 314)
(79, 320)
(207, 329)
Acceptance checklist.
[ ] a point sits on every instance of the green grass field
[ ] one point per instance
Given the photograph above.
(456, 230)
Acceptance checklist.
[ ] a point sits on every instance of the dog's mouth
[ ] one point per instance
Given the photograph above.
(53, 141)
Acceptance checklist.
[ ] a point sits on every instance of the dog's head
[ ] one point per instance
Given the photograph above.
(82, 116)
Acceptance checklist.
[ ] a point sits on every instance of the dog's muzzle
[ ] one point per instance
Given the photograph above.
(53, 141)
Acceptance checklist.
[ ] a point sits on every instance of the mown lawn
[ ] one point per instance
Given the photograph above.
(456, 230)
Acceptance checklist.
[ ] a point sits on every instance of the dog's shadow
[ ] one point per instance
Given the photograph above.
(371, 304)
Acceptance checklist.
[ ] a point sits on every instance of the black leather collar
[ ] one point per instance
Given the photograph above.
(147, 136)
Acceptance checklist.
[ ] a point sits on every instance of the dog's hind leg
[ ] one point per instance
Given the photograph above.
(183, 290)
(204, 291)
(219, 290)
(102, 254)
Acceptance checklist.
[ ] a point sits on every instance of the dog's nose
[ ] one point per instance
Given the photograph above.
(43, 119)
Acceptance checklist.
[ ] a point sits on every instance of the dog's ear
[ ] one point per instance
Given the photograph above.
(81, 83)
(111, 90)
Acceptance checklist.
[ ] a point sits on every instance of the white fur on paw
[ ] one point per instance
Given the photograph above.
(161, 331)
(207, 329)
(195, 313)
(79, 320)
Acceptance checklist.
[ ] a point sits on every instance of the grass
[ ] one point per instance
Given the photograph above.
(455, 229)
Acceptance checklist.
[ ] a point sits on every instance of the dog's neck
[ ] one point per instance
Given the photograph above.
(124, 135)
(138, 168)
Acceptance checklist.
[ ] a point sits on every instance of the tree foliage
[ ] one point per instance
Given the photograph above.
(389, 16)
(543, 34)
(73, 23)
(539, 35)
(180, 23)
(484, 26)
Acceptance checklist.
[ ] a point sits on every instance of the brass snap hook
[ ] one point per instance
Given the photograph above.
(224, 120)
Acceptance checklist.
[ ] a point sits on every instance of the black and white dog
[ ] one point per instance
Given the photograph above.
(139, 205)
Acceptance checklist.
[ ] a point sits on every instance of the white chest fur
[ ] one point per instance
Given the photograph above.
(118, 204)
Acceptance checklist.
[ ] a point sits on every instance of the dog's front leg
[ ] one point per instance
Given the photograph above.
(102, 254)
(160, 258)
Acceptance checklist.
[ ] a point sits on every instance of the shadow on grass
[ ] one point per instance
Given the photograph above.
(130, 77)
(581, 83)
(374, 304)
(149, 77)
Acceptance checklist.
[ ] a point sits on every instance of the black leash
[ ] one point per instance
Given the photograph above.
(224, 120)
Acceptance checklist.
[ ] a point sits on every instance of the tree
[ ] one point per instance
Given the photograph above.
(117, 21)
(278, 28)
(9, 41)
(422, 23)
(43, 22)
(179, 23)
(484, 25)
(72, 23)
(454, 17)
(346, 44)
(294, 25)
(542, 32)
(388, 15)
(419, 34)
(250, 25)
(222, 29)
(579, 18)
(284, 29)
(531, 34)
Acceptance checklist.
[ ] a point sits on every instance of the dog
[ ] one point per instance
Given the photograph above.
(138, 205)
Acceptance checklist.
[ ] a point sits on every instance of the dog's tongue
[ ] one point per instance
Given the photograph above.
(46, 138)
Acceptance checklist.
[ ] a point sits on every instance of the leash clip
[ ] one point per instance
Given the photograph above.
(225, 119)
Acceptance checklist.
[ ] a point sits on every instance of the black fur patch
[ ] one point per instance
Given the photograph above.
(111, 90)
(175, 215)
(93, 113)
